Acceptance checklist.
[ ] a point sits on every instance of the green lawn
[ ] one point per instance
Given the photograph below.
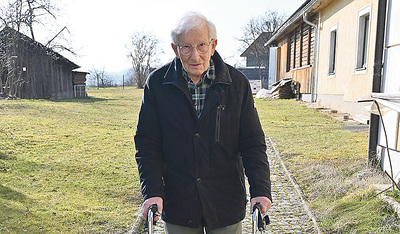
(68, 166)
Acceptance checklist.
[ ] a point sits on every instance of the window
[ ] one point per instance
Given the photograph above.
(332, 49)
(362, 38)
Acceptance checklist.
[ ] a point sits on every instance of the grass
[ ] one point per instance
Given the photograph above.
(68, 166)
(394, 193)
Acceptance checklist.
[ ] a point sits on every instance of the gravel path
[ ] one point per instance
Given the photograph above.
(288, 213)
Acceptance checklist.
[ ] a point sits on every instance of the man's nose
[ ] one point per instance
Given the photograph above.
(195, 54)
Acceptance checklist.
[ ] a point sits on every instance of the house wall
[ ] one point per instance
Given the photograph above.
(392, 164)
(343, 89)
(281, 59)
(272, 66)
(391, 86)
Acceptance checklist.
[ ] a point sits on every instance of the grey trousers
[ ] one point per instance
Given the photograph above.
(176, 229)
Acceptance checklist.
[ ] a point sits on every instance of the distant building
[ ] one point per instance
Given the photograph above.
(252, 73)
(257, 62)
(79, 80)
(30, 70)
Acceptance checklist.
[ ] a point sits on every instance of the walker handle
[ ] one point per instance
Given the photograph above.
(150, 222)
(260, 221)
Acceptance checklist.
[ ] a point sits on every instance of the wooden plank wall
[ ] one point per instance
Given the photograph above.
(299, 47)
(46, 76)
(303, 76)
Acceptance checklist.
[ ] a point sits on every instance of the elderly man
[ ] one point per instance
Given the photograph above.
(198, 134)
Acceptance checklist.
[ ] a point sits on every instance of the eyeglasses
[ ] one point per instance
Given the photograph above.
(202, 48)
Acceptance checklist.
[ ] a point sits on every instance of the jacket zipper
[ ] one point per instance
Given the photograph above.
(220, 108)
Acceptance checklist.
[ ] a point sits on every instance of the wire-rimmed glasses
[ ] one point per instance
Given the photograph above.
(202, 48)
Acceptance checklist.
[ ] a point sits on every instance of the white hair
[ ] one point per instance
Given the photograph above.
(192, 20)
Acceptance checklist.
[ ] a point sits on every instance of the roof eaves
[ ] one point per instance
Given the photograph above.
(305, 7)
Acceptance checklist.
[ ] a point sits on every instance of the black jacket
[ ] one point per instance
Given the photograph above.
(197, 164)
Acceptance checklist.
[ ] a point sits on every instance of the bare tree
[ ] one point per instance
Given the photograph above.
(10, 75)
(25, 14)
(100, 78)
(130, 78)
(143, 51)
(60, 42)
(269, 22)
(257, 32)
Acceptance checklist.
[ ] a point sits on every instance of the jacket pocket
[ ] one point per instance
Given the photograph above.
(220, 108)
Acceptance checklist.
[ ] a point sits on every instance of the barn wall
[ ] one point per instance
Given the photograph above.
(46, 76)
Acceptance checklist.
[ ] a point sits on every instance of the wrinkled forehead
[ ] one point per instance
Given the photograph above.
(197, 34)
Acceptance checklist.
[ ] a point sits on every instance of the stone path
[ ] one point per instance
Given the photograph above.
(288, 213)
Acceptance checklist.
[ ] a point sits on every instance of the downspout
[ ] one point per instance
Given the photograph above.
(314, 74)
(377, 82)
(307, 21)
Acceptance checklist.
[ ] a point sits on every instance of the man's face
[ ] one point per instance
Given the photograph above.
(196, 63)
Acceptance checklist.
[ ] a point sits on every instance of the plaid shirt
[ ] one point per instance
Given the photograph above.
(198, 91)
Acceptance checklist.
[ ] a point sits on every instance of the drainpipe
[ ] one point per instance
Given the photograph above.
(315, 60)
(377, 82)
(307, 21)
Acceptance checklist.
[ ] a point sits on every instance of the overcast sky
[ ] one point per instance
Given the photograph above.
(100, 30)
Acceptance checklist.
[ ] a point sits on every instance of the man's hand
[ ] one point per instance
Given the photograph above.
(151, 201)
(264, 201)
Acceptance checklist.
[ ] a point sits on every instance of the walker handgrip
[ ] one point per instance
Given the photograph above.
(260, 221)
(150, 218)
(257, 206)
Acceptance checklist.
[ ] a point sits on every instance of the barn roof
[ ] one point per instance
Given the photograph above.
(56, 56)
(260, 40)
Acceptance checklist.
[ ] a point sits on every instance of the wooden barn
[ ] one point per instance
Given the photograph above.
(30, 70)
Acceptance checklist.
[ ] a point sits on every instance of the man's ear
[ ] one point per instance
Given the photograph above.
(175, 48)
(213, 46)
